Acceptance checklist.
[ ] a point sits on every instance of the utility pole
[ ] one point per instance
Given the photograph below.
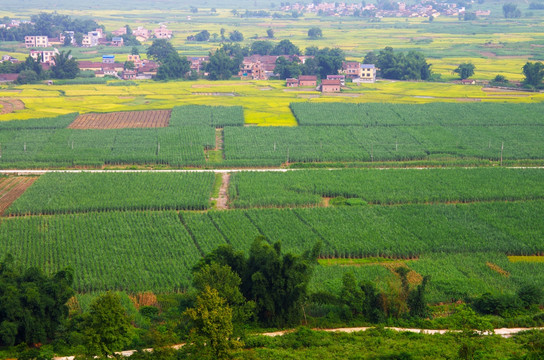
(371, 152)
(502, 148)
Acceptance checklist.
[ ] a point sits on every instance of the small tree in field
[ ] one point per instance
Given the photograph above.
(212, 333)
(315, 33)
(465, 70)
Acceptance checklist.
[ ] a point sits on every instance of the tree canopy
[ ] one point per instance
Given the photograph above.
(65, 66)
(534, 73)
(400, 66)
(465, 70)
(315, 33)
(32, 305)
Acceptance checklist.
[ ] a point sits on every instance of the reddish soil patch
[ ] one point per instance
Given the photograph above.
(121, 120)
(10, 105)
(11, 188)
(326, 201)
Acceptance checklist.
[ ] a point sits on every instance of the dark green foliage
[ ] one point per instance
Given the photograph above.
(534, 73)
(329, 61)
(107, 326)
(285, 47)
(221, 66)
(287, 69)
(32, 305)
(65, 66)
(401, 66)
(511, 10)
(236, 36)
(531, 295)
(160, 49)
(276, 282)
(261, 47)
(173, 67)
(315, 33)
(465, 70)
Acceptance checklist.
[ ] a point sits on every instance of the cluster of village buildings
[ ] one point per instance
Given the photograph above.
(424, 9)
(98, 37)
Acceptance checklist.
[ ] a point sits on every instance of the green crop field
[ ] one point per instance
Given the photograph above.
(55, 193)
(101, 244)
(308, 187)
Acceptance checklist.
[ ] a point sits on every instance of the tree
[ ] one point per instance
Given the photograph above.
(465, 70)
(315, 33)
(400, 66)
(285, 47)
(160, 49)
(270, 33)
(499, 80)
(311, 51)
(204, 35)
(212, 331)
(287, 69)
(511, 11)
(78, 38)
(329, 61)
(262, 47)
(370, 58)
(65, 66)
(352, 294)
(67, 40)
(129, 65)
(32, 305)
(222, 32)
(135, 51)
(107, 327)
(173, 67)
(236, 36)
(534, 73)
(220, 66)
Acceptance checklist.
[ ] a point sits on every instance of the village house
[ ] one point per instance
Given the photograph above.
(129, 74)
(141, 33)
(9, 58)
(307, 81)
(162, 32)
(36, 42)
(291, 82)
(251, 70)
(117, 41)
(119, 32)
(46, 56)
(351, 69)
(108, 59)
(197, 62)
(330, 86)
(341, 78)
(368, 73)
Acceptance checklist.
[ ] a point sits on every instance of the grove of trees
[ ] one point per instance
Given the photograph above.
(403, 66)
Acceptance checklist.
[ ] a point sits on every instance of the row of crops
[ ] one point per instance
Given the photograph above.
(154, 250)
(276, 145)
(67, 147)
(453, 276)
(392, 186)
(55, 193)
(448, 114)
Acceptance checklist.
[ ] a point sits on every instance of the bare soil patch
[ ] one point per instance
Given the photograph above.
(11, 188)
(10, 105)
(121, 120)
(222, 200)
(497, 269)
(200, 86)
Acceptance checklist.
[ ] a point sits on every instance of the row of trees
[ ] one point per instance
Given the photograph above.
(399, 65)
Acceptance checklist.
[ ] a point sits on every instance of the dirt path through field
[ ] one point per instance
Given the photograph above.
(218, 139)
(10, 105)
(223, 198)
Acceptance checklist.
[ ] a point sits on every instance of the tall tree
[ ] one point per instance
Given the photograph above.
(465, 70)
(212, 331)
(262, 47)
(160, 49)
(329, 61)
(220, 66)
(173, 67)
(285, 47)
(32, 305)
(65, 66)
(511, 10)
(107, 327)
(236, 36)
(534, 73)
(315, 33)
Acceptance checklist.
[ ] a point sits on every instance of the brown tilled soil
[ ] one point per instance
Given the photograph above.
(413, 277)
(121, 120)
(11, 188)
(10, 105)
